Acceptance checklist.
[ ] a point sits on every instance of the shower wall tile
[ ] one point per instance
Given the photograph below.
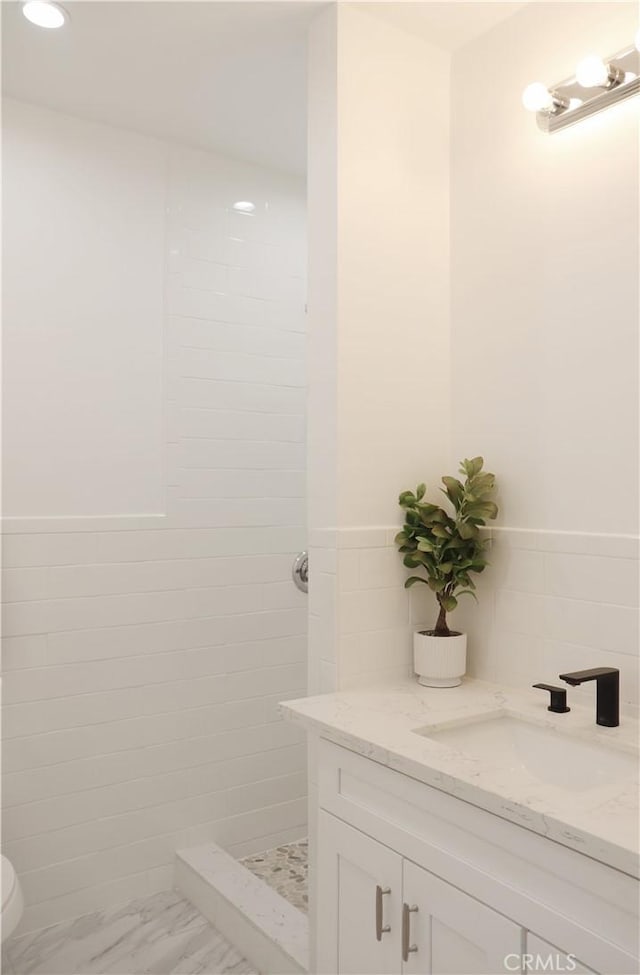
(144, 660)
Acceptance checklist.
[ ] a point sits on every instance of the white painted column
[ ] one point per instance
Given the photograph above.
(379, 326)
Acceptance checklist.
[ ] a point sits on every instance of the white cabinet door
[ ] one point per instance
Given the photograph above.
(452, 933)
(359, 899)
(542, 956)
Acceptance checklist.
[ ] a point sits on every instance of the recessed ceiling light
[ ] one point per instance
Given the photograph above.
(244, 206)
(45, 13)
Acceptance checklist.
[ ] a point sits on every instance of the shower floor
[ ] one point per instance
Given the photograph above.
(285, 868)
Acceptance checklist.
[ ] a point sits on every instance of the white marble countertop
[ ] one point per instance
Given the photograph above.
(379, 723)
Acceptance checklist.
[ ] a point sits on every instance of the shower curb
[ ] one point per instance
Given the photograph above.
(270, 933)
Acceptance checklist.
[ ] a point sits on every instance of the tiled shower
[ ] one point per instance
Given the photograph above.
(145, 654)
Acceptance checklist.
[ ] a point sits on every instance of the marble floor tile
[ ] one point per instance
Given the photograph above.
(285, 868)
(158, 935)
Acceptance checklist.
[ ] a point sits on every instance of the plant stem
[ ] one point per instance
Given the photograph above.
(441, 625)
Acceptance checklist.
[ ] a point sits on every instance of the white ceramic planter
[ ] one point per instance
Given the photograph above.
(439, 661)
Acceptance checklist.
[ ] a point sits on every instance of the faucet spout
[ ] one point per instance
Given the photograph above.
(607, 692)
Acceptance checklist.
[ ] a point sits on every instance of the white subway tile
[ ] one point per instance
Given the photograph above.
(63, 582)
(73, 712)
(197, 543)
(594, 578)
(239, 396)
(202, 303)
(24, 651)
(328, 677)
(241, 484)
(362, 537)
(374, 609)
(239, 513)
(118, 641)
(251, 454)
(51, 748)
(133, 824)
(348, 571)
(592, 625)
(521, 612)
(516, 569)
(283, 595)
(243, 368)
(130, 608)
(226, 425)
(197, 333)
(101, 675)
(48, 549)
(324, 560)
(143, 666)
(381, 568)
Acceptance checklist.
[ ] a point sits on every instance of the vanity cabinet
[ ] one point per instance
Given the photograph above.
(451, 932)
(382, 914)
(412, 880)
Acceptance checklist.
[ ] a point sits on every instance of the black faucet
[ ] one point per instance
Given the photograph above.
(607, 692)
(558, 702)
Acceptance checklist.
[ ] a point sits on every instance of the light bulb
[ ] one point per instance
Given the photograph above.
(244, 206)
(536, 97)
(592, 72)
(43, 13)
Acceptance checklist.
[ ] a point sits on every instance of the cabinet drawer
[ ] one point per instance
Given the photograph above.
(542, 885)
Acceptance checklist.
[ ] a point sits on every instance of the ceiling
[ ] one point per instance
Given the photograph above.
(448, 25)
(229, 76)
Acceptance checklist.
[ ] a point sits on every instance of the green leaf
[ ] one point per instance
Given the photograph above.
(412, 561)
(454, 491)
(406, 499)
(425, 545)
(448, 547)
(482, 509)
(472, 467)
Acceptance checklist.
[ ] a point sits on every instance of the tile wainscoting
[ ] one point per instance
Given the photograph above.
(550, 601)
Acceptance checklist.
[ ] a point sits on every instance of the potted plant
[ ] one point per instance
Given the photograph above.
(447, 547)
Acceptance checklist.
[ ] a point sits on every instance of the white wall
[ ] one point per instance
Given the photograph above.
(545, 254)
(393, 264)
(544, 331)
(144, 658)
(543, 373)
(378, 313)
(83, 256)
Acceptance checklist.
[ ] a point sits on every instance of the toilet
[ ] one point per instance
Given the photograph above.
(12, 902)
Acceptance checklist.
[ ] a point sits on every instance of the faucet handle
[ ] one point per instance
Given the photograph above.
(558, 698)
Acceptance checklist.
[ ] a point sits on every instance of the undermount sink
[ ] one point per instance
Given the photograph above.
(545, 753)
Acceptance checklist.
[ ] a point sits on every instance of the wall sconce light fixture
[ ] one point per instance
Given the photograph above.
(596, 85)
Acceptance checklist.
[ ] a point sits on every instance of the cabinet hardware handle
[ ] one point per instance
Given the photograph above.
(407, 947)
(380, 928)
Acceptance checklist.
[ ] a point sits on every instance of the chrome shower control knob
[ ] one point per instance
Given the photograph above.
(300, 572)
